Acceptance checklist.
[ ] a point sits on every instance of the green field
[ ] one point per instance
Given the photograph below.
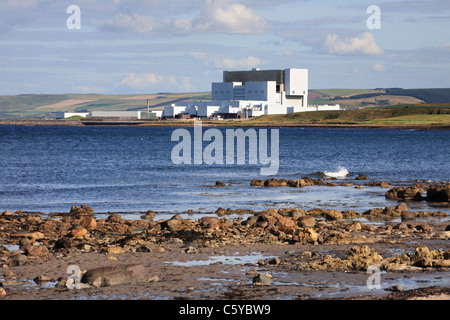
(46, 106)
(401, 115)
(344, 92)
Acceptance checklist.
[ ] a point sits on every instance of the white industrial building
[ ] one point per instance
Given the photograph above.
(252, 93)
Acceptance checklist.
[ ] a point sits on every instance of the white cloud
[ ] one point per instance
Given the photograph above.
(246, 62)
(366, 44)
(217, 16)
(379, 68)
(152, 81)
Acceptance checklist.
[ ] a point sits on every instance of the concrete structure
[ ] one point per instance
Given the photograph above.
(65, 115)
(126, 115)
(252, 93)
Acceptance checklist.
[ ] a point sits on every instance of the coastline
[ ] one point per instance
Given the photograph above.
(78, 123)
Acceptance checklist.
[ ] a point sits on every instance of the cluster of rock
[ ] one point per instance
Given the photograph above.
(307, 181)
(434, 193)
(360, 258)
(46, 237)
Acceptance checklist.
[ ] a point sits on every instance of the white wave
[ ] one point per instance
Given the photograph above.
(341, 173)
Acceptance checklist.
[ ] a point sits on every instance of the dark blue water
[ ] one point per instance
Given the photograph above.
(128, 169)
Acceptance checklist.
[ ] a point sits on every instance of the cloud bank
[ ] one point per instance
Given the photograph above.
(366, 44)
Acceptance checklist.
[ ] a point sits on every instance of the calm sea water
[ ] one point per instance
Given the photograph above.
(129, 169)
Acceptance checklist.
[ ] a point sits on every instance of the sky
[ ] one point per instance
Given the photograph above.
(153, 46)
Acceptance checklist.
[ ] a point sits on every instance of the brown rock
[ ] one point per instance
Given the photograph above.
(439, 193)
(306, 236)
(286, 225)
(275, 183)
(78, 232)
(257, 183)
(361, 177)
(332, 214)
(149, 215)
(307, 221)
(408, 215)
(421, 253)
(219, 184)
(36, 251)
(116, 275)
(89, 223)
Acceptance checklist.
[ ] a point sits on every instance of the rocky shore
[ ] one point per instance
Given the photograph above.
(144, 257)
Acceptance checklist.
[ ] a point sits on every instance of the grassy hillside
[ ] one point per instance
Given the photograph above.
(404, 114)
(45, 106)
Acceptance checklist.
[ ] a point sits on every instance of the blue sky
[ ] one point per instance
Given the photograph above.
(149, 46)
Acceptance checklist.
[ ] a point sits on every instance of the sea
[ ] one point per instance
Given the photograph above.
(130, 170)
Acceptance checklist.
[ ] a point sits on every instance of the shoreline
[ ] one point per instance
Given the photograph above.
(77, 123)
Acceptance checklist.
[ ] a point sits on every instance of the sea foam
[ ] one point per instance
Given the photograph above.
(341, 172)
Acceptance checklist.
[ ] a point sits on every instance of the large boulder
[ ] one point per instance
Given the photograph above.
(333, 214)
(275, 183)
(82, 210)
(116, 275)
(287, 225)
(413, 193)
(306, 221)
(439, 193)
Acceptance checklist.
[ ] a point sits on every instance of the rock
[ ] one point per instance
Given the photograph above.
(408, 215)
(447, 228)
(82, 210)
(296, 213)
(355, 226)
(275, 183)
(205, 221)
(114, 218)
(112, 250)
(362, 257)
(381, 184)
(2, 292)
(174, 224)
(150, 215)
(306, 221)
(41, 279)
(286, 225)
(89, 223)
(395, 288)
(7, 213)
(36, 235)
(424, 228)
(420, 253)
(361, 177)
(17, 260)
(395, 211)
(65, 243)
(413, 192)
(263, 279)
(78, 232)
(439, 193)
(274, 261)
(332, 214)
(306, 236)
(219, 184)
(36, 251)
(116, 275)
(257, 183)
